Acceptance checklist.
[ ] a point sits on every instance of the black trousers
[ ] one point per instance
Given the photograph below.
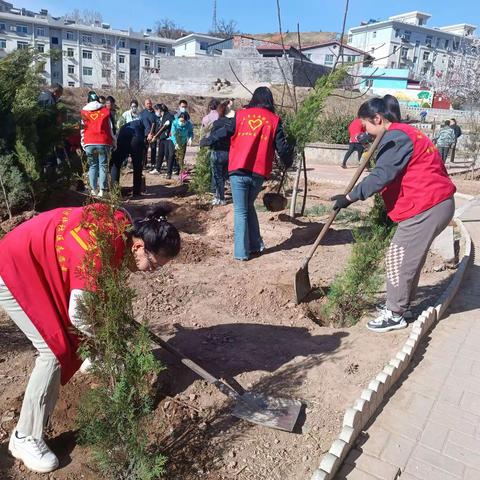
(134, 148)
(164, 149)
(172, 163)
(444, 153)
(353, 147)
(153, 152)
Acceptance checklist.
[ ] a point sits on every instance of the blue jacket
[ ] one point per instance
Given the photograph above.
(180, 135)
(148, 119)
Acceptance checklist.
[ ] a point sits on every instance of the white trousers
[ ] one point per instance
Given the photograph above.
(44, 383)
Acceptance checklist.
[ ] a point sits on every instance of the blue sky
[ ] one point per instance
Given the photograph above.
(260, 15)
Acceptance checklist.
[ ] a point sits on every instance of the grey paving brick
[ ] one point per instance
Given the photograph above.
(434, 436)
(374, 441)
(347, 472)
(470, 402)
(376, 467)
(438, 460)
(470, 474)
(426, 471)
(397, 450)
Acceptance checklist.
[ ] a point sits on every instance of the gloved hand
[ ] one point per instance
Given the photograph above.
(177, 146)
(189, 142)
(341, 201)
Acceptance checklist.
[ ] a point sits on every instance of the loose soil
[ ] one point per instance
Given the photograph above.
(237, 319)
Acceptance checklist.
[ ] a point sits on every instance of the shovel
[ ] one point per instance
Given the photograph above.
(302, 286)
(274, 201)
(278, 413)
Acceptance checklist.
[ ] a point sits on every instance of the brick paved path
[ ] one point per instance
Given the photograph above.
(430, 427)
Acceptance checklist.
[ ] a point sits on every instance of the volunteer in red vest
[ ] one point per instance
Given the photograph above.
(354, 129)
(97, 141)
(257, 133)
(418, 195)
(41, 284)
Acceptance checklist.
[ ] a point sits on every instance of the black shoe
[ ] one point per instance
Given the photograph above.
(168, 176)
(343, 165)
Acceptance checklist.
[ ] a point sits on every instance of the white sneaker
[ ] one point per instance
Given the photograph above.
(100, 194)
(86, 366)
(407, 314)
(34, 453)
(386, 321)
(154, 172)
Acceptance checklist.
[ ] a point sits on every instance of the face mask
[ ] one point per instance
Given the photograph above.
(183, 109)
(158, 114)
(182, 124)
(134, 109)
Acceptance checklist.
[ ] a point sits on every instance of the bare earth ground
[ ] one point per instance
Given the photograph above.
(236, 319)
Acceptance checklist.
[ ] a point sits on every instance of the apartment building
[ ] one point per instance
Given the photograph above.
(94, 56)
(406, 41)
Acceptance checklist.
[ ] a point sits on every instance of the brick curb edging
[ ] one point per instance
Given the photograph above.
(366, 405)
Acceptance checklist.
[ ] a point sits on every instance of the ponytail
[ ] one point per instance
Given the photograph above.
(387, 106)
(158, 235)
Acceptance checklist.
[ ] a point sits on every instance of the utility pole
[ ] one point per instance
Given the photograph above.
(214, 19)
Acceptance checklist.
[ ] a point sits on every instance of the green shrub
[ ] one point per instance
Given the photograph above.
(202, 174)
(354, 290)
(333, 129)
(112, 416)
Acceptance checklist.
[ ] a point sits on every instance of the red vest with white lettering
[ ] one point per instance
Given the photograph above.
(423, 184)
(253, 145)
(96, 127)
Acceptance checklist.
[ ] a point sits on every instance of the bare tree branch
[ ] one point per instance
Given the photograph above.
(342, 34)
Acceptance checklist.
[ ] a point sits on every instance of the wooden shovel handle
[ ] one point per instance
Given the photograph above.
(365, 159)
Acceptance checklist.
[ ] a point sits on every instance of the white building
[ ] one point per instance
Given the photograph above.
(194, 45)
(405, 41)
(95, 56)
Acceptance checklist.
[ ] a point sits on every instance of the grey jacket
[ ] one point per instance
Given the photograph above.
(445, 137)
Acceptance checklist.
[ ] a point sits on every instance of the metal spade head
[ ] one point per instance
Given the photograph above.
(274, 202)
(302, 284)
(279, 413)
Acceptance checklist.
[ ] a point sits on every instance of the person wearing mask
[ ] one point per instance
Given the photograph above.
(50, 97)
(355, 129)
(102, 99)
(149, 119)
(112, 106)
(458, 133)
(129, 115)
(219, 153)
(165, 148)
(182, 108)
(50, 250)
(211, 115)
(418, 195)
(130, 141)
(97, 140)
(256, 133)
(444, 139)
(181, 135)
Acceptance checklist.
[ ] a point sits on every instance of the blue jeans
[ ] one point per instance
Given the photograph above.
(97, 156)
(247, 239)
(219, 166)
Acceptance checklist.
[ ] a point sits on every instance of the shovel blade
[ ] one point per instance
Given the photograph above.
(278, 413)
(302, 286)
(274, 202)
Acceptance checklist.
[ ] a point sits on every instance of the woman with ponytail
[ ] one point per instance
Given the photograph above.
(418, 195)
(41, 284)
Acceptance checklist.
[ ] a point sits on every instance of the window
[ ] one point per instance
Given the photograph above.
(328, 59)
(404, 52)
(374, 34)
(437, 43)
(71, 69)
(121, 59)
(146, 48)
(417, 43)
(56, 75)
(71, 84)
(54, 40)
(407, 34)
(429, 40)
(88, 85)
(369, 82)
(106, 42)
(447, 43)
(161, 50)
(40, 47)
(87, 54)
(350, 38)
(3, 43)
(86, 38)
(22, 29)
(147, 62)
(203, 45)
(392, 64)
(40, 32)
(87, 71)
(133, 51)
(2, 26)
(426, 55)
(106, 73)
(351, 58)
(157, 63)
(121, 75)
(22, 45)
(456, 44)
(106, 57)
(70, 36)
(121, 44)
(397, 32)
(421, 21)
(415, 59)
(70, 52)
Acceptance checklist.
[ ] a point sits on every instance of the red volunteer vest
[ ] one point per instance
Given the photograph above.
(96, 127)
(355, 129)
(40, 264)
(423, 184)
(253, 144)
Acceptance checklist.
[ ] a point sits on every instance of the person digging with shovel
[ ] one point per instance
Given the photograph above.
(41, 285)
(418, 195)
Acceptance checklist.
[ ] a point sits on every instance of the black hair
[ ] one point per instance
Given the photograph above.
(262, 98)
(157, 106)
(92, 96)
(134, 101)
(110, 99)
(162, 107)
(183, 101)
(102, 97)
(213, 104)
(158, 235)
(185, 116)
(387, 106)
(454, 120)
(222, 108)
(447, 123)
